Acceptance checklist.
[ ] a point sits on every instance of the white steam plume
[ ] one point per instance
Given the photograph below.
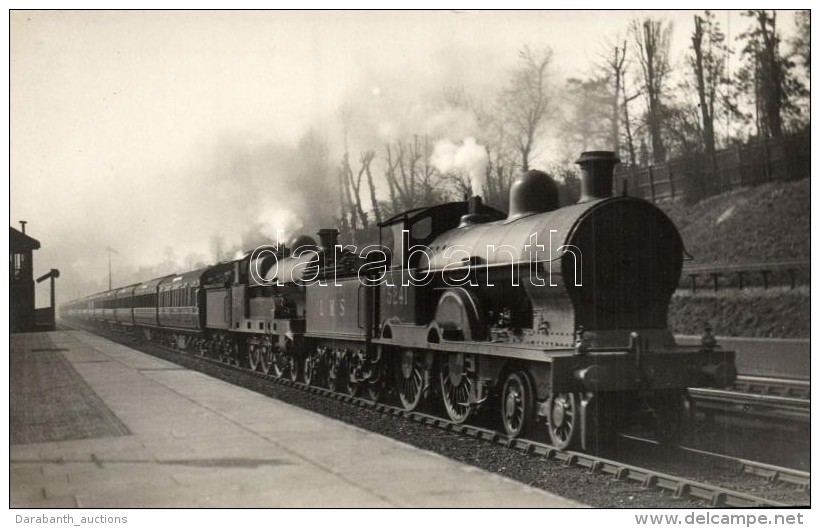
(469, 157)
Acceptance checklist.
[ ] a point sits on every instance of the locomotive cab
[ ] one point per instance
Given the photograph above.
(407, 239)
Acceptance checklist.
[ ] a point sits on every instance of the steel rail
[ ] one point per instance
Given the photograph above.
(751, 404)
(774, 474)
(793, 388)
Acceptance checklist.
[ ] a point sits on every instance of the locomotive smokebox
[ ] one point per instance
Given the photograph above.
(328, 238)
(596, 174)
(532, 192)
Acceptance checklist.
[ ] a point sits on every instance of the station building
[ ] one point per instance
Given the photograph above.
(21, 281)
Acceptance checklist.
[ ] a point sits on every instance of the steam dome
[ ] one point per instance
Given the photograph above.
(532, 192)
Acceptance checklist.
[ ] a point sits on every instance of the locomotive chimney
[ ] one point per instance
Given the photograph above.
(473, 216)
(596, 174)
(328, 238)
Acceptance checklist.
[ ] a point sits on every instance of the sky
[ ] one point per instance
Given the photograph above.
(156, 133)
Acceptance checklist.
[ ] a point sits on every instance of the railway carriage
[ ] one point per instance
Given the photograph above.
(124, 305)
(145, 301)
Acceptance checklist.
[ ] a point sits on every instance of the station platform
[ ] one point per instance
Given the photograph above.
(95, 424)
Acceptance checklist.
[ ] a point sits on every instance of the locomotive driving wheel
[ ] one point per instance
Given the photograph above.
(411, 379)
(563, 419)
(517, 404)
(457, 380)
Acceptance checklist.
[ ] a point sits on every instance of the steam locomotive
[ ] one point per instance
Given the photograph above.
(545, 314)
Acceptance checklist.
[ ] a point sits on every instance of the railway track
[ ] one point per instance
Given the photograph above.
(774, 386)
(774, 399)
(773, 474)
(649, 479)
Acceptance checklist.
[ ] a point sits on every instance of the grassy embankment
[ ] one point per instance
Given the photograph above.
(765, 223)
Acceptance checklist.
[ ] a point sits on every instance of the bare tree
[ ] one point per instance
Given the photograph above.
(708, 67)
(613, 67)
(801, 42)
(525, 102)
(652, 42)
(630, 140)
(354, 186)
(582, 125)
(411, 179)
(352, 207)
(769, 76)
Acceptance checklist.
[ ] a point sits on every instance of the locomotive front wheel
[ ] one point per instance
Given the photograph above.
(410, 379)
(564, 420)
(253, 358)
(517, 404)
(456, 379)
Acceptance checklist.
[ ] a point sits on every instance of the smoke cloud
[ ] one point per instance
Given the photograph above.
(468, 158)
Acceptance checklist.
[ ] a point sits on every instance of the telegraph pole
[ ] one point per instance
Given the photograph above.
(110, 250)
